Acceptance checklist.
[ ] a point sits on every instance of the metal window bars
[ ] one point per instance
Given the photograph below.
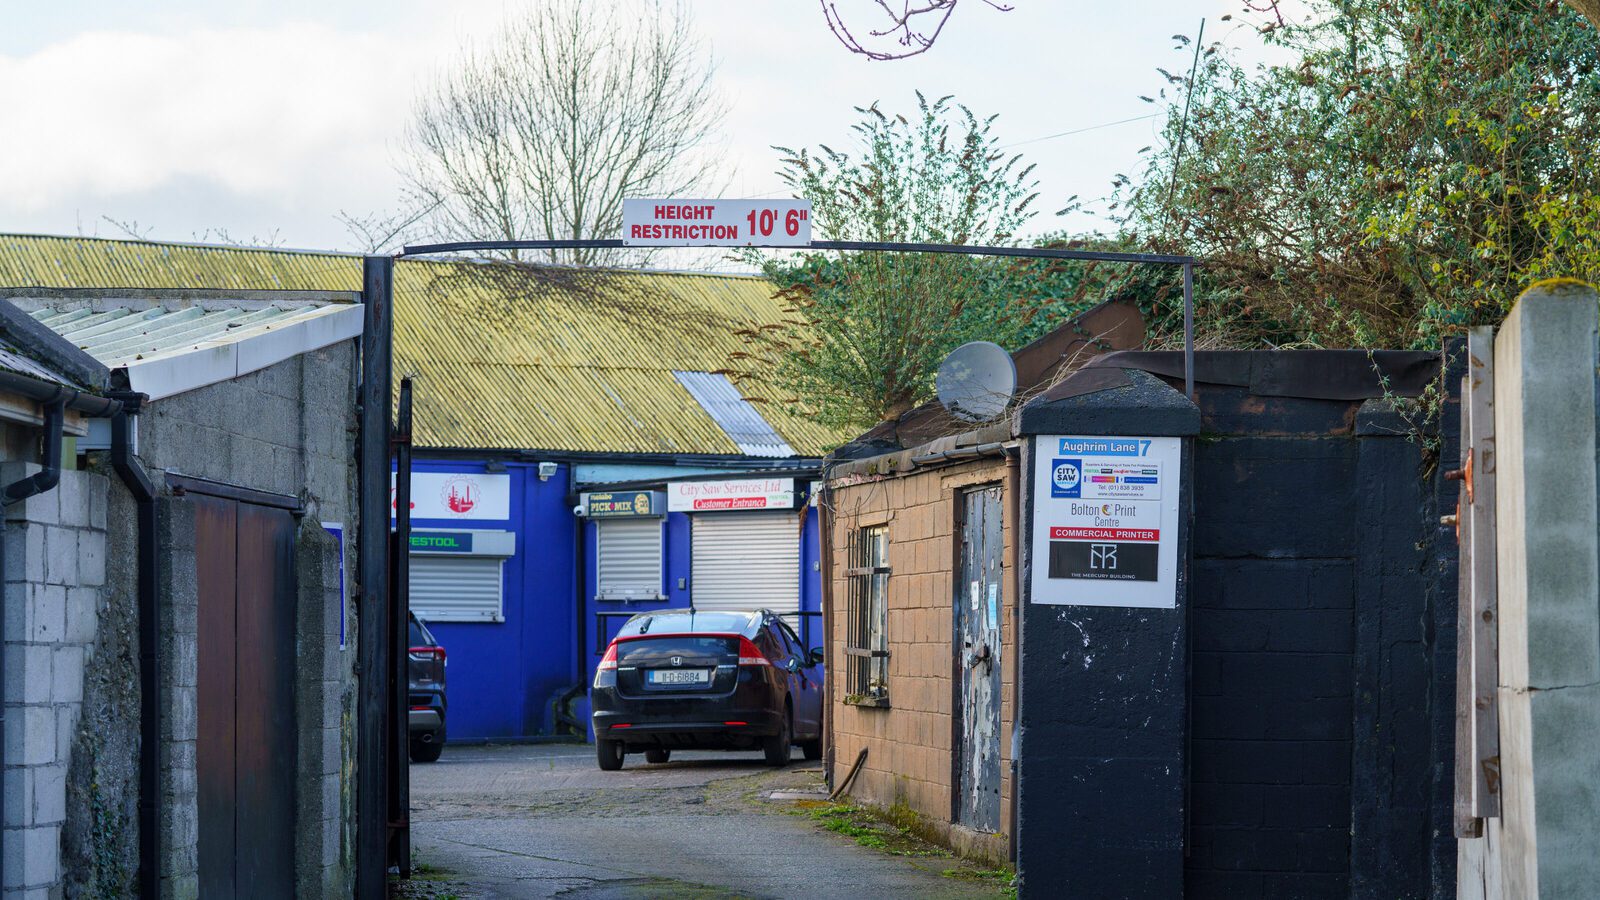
(867, 616)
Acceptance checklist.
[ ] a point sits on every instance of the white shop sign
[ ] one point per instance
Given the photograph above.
(457, 495)
(742, 493)
(1105, 521)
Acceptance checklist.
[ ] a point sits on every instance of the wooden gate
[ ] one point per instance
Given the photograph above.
(977, 632)
(1477, 793)
(245, 746)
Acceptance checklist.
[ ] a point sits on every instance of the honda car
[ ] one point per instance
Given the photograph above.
(681, 679)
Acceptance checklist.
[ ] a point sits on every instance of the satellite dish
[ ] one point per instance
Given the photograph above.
(976, 381)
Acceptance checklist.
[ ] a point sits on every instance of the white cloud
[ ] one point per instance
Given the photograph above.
(208, 119)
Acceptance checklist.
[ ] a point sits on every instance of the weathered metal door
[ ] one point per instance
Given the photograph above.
(977, 632)
(245, 734)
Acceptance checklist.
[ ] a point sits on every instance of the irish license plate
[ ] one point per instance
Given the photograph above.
(679, 676)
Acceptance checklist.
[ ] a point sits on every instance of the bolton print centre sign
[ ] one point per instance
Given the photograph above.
(1105, 521)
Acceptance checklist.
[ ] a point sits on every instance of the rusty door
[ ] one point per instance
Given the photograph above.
(245, 735)
(977, 647)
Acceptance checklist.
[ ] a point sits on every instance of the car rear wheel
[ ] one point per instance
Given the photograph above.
(657, 755)
(777, 746)
(426, 751)
(812, 749)
(609, 754)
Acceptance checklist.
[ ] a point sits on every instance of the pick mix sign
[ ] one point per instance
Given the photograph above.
(1106, 521)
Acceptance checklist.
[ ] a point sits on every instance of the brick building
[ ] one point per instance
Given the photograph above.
(920, 521)
(924, 564)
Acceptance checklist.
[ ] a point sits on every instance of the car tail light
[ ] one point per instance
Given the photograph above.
(736, 723)
(422, 653)
(608, 663)
(750, 654)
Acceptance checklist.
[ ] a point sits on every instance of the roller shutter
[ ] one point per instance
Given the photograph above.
(629, 559)
(746, 561)
(456, 588)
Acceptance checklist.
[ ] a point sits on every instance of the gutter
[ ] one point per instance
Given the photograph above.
(961, 454)
(148, 562)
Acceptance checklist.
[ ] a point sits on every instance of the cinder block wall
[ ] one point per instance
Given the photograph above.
(287, 429)
(911, 758)
(55, 550)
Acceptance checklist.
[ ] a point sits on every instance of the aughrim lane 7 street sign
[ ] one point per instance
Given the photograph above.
(716, 223)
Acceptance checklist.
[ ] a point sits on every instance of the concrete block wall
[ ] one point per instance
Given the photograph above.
(55, 564)
(911, 743)
(287, 429)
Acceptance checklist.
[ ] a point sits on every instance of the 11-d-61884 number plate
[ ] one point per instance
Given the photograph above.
(679, 676)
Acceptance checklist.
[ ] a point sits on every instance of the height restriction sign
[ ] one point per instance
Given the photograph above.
(716, 223)
(1105, 521)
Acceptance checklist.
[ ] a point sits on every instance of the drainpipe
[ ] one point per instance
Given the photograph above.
(144, 496)
(17, 491)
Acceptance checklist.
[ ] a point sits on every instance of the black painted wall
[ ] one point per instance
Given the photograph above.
(1287, 730)
(1313, 757)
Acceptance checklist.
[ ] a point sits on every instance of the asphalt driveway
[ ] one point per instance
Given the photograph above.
(536, 821)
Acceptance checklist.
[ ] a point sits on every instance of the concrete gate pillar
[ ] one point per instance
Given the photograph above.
(1546, 842)
(1102, 728)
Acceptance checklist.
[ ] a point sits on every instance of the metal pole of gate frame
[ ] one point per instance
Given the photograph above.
(400, 640)
(1188, 330)
(373, 572)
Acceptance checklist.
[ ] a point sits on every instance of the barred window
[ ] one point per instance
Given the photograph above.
(867, 618)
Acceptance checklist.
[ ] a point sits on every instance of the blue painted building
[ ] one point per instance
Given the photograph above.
(525, 574)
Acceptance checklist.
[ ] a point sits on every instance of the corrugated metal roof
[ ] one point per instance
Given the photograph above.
(129, 331)
(737, 416)
(14, 360)
(506, 356)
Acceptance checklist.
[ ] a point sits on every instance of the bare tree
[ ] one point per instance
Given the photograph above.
(571, 107)
(899, 28)
(384, 232)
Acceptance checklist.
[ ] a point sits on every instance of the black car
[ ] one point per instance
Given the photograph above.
(707, 680)
(425, 670)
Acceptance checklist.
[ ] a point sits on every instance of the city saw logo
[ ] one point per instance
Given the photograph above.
(1066, 478)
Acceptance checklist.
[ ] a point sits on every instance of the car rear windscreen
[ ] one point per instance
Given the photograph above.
(689, 646)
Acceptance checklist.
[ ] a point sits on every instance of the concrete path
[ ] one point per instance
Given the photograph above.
(543, 821)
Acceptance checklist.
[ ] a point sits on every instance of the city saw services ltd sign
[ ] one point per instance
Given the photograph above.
(1105, 512)
(743, 493)
(716, 223)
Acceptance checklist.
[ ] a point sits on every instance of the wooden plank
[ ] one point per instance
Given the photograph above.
(1484, 592)
(1467, 825)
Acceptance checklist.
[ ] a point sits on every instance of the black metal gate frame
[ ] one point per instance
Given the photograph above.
(382, 782)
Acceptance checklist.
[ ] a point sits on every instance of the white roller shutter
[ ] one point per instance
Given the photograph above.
(746, 561)
(456, 588)
(628, 553)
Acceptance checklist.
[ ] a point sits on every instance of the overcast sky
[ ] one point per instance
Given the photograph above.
(263, 120)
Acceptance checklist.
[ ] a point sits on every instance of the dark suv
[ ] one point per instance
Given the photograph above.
(425, 671)
(707, 680)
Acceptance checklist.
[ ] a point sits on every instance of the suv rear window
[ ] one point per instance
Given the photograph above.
(676, 645)
(419, 636)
